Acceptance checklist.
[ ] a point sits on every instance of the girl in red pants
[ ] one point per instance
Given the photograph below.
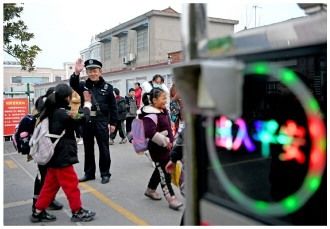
(60, 171)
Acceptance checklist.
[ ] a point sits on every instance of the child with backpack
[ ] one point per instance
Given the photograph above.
(159, 145)
(60, 170)
(22, 137)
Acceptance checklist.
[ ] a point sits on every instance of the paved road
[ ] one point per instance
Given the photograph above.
(120, 202)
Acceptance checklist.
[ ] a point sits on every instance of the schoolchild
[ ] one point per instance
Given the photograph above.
(60, 170)
(159, 145)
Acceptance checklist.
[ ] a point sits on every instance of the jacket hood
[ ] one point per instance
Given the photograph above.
(150, 110)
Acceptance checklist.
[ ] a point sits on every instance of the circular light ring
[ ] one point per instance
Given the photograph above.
(317, 160)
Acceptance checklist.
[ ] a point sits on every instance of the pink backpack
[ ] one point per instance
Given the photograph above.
(140, 142)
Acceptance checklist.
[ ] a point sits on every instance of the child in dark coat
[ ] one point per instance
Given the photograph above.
(60, 170)
(159, 145)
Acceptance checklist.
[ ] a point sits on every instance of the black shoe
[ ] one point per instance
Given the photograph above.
(86, 178)
(83, 215)
(105, 179)
(55, 205)
(42, 217)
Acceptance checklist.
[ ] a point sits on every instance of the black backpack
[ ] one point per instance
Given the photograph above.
(23, 133)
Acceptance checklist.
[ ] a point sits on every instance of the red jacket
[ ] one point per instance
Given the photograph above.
(138, 95)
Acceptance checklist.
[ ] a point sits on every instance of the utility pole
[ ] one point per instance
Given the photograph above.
(255, 14)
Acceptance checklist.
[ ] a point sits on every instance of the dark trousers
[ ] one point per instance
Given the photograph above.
(78, 131)
(56, 178)
(40, 180)
(99, 130)
(161, 176)
(129, 121)
(121, 127)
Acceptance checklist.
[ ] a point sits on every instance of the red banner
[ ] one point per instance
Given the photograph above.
(14, 110)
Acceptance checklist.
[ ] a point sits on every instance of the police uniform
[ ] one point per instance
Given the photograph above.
(103, 112)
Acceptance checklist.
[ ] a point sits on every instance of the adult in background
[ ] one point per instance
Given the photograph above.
(103, 117)
(156, 82)
(138, 93)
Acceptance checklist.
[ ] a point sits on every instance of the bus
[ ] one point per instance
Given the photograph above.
(255, 112)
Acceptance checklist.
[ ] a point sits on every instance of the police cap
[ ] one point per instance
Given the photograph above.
(92, 63)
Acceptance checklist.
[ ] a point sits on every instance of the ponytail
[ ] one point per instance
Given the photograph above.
(146, 99)
(49, 106)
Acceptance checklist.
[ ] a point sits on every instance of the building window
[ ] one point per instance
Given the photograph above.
(107, 51)
(58, 78)
(95, 53)
(116, 84)
(142, 39)
(123, 46)
(29, 79)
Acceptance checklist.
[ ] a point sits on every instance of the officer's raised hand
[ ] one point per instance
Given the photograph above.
(79, 66)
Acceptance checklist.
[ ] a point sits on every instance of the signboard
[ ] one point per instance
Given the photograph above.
(290, 137)
(14, 110)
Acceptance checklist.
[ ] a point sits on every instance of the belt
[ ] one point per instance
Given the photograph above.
(93, 113)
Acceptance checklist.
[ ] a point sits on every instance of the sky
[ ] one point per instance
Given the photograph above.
(63, 28)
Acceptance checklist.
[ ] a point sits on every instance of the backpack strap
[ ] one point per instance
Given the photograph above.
(55, 135)
(153, 117)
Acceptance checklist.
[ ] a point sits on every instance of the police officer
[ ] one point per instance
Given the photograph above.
(103, 117)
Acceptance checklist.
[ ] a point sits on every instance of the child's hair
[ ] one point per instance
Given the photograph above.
(116, 90)
(147, 98)
(57, 97)
(40, 102)
(131, 89)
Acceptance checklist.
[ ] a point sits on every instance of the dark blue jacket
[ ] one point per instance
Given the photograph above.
(102, 94)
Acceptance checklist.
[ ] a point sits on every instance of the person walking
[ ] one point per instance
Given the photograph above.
(122, 111)
(138, 93)
(42, 169)
(60, 170)
(159, 145)
(156, 82)
(131, 104)
(103, 117)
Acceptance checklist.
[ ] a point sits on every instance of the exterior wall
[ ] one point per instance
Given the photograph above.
(94, 51)
(142, 56)
(123, 80)
(216, 30)
(69, 68)
(106, 55)
(115, 62)
(11, 71)
(165, 37)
